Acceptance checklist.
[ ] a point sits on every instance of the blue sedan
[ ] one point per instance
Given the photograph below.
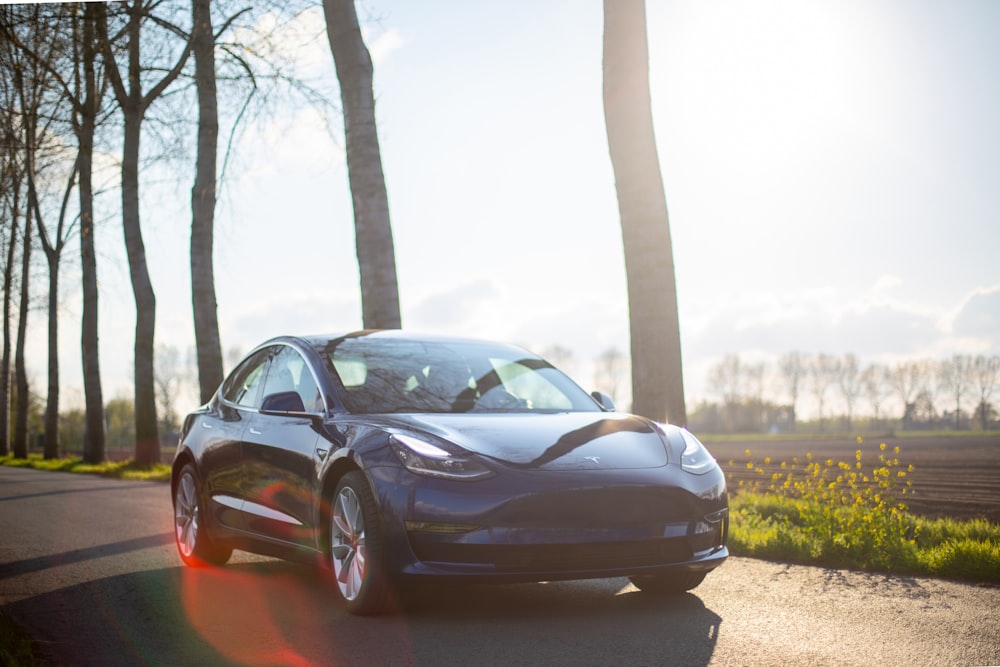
(390, 458)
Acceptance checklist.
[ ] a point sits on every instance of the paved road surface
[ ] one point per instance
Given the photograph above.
(89, 566)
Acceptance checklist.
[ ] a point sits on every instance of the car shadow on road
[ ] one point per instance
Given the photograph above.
(277, 613)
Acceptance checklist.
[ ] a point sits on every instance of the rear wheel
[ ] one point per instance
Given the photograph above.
(356, 546)
(665, 584)
(193, 543)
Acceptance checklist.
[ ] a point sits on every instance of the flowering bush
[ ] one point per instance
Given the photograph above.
(852, 514)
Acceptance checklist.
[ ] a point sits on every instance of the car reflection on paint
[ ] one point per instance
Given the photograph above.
(392, 458)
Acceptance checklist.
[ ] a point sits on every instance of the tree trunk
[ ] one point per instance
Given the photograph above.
(20, 448)
(52, 399)
(657, 378)
(147, 447)
(94, 439)
(376, 254)
(8, 283)
(206, 321)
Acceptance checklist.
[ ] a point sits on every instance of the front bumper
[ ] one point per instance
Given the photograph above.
(575, 528)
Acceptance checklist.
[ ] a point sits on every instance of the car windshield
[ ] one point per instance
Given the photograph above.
(388, 375)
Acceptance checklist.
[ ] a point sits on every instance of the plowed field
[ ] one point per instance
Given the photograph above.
(955, 477)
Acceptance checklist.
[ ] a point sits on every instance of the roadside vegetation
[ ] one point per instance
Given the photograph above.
(17, 649)
(853, 514)
(128, 469)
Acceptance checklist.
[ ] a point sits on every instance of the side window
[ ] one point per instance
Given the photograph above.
(289, 372)
(242, 387)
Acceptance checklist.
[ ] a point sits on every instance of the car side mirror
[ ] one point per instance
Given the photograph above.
(605, 401)
(282, 402)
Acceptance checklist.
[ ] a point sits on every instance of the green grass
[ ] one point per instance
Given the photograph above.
(158, 472)
(16, 646)
(811, 435)
(852, 514)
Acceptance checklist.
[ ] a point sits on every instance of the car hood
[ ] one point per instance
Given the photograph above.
(561, 441)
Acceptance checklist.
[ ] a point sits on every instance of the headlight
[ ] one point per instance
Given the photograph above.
(423, 458)
(695, 458)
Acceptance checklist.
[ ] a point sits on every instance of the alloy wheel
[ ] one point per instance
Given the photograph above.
(186, 515)
(348, 544)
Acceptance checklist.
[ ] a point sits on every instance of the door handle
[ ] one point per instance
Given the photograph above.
(204, 425)
(254, 431)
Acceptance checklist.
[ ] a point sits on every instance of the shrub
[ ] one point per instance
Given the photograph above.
(852, 514)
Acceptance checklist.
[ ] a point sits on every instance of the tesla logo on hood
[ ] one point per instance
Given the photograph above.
(595, 459)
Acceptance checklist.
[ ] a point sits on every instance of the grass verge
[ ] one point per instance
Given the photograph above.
(158, 472)
(17, 649)
(852, 514)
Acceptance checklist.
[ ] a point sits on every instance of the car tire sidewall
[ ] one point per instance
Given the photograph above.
(375, 593)
(205, 551)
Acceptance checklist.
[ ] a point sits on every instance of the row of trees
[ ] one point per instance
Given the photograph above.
(79, 79)
(948, 393)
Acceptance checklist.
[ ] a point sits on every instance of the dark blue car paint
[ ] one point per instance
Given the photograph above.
(563, 484)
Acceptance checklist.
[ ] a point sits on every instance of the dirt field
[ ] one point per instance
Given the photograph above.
(956, 477)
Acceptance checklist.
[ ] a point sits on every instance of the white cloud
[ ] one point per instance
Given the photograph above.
(979, 315)
(383, 45)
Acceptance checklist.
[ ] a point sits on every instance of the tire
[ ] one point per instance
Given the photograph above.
(194, 545)
(668, 584)
(356, 547)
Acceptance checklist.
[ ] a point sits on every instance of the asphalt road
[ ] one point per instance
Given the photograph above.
(88, 566)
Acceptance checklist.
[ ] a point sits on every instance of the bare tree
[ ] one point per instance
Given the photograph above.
(206, 318)
(79, 77)
(134, 103)
(609, 372)
(849, 382)
(875, 386)
(822, 373)
(657, 374)
(954, 375)
(725, 378)
(169, 379)
(376, 252)
(87, 99)
(985, 371)
(927, 389)
(11, 186)
(756, 376)
(39, 39)
(904, 378)
(792, 368)
(20, 441)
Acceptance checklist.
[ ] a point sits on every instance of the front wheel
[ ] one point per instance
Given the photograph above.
(356, 546)
(666, 584)
(193, 543)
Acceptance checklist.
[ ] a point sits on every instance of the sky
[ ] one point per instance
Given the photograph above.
(831, 169)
